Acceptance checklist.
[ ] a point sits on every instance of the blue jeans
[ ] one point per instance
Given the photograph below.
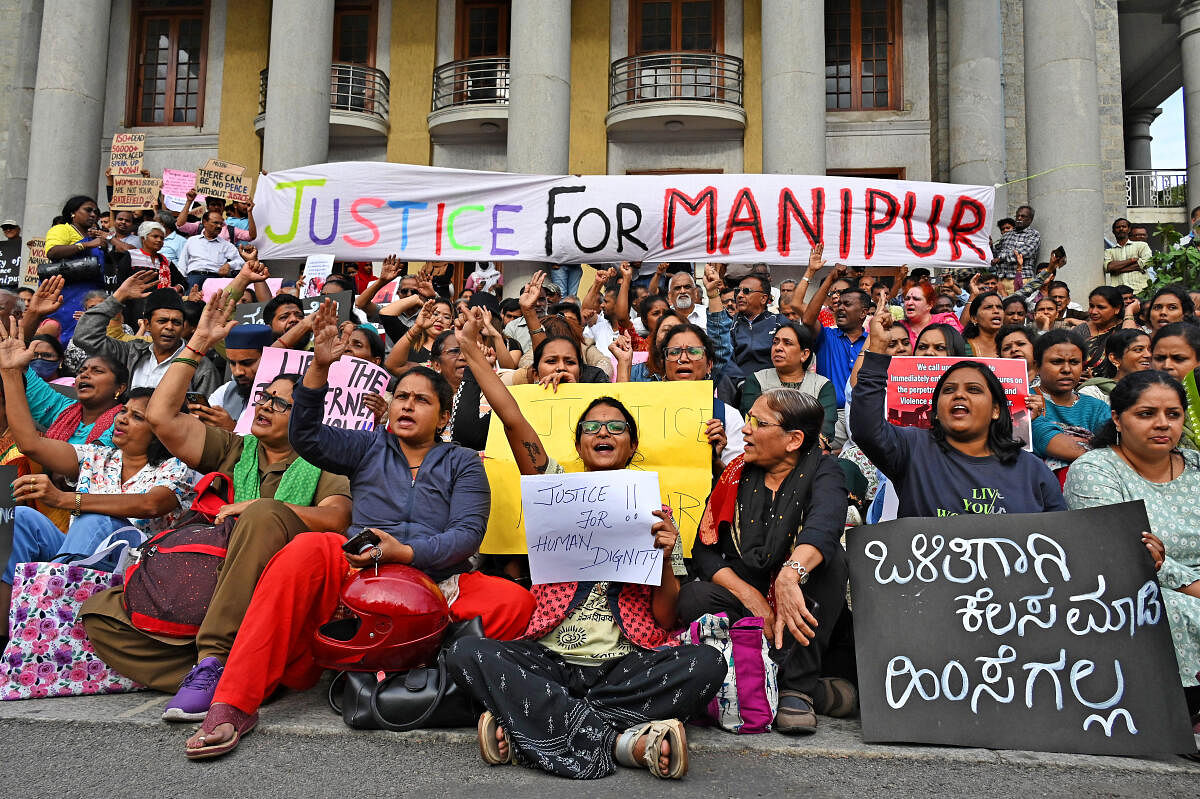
(567, 278)
(198, 278)
(36, 539)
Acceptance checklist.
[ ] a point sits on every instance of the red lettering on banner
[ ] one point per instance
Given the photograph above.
(372, 202)
(847, 218)
(874, 226)
(960, 231)
(706, 198)
(437, 243)
(922, 249)
(789, 209)
(751, 222)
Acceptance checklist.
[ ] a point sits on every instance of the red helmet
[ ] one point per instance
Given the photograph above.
(397, 618)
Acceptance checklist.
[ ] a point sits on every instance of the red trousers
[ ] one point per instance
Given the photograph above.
(299, 591)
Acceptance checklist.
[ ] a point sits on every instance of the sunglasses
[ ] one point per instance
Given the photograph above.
(744, 291)
(273, 403)
(755, 423)
(615, 427)
(694, 353)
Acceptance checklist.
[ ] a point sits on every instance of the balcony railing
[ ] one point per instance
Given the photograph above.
(474, 81)
(702, 77)
(352, 87)
(1156, 188)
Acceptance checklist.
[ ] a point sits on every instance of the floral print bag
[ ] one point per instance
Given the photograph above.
(48, 653)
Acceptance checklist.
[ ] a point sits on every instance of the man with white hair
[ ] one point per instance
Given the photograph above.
(684, 298)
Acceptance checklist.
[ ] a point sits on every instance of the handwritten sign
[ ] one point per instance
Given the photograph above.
(592, 526)
(134, 194)
(225, 185)
(225, 166)
(214, 284)
(37, 257)
(909, 396)
(249, 313)
(10, 263)
(350, 380)
(175, 186)
(8, 510)
(128, 152)
(344, 300)
(671, 443)
(1039, 631)
(317, 269)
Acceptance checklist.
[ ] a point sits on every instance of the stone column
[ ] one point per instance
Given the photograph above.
(539, 100)
(793, 87)
(68, 110)
(20, 114)
(1062, 133)
(1189, 52)
(977, 97)
(297, 124)
(1137, 154)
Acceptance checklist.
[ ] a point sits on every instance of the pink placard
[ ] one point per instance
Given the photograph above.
(215, 284)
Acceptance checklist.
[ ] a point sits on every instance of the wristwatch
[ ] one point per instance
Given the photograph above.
(800, 570)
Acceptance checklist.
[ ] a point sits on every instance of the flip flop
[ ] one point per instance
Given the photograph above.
(220, 714)
(656, 731)
(489, 747)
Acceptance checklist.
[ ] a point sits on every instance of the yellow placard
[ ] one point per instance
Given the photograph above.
(671, 418)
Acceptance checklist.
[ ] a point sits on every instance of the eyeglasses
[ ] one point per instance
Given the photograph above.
(742, 290)
(616, 427)
(451, 351)
(273, 403)
(694, 353)
(406, 292)
(755, 423)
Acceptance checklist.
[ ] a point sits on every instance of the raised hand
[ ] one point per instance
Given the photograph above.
(425, 283)
(328, 343)
(13, 352)
(881, 323)
(622, 349)
(48, 297)
(214, 324)
(472, 326)
(532, 292)
(391, 268)
(424, 318)
(137, 286)
(626, 271)
(255, 270)
(816, 259)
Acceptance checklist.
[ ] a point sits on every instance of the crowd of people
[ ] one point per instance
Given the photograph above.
(122, 386)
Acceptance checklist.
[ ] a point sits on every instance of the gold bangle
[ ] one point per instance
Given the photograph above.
(78, 506)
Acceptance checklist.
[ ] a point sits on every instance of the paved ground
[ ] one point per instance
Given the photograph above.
(117, 746)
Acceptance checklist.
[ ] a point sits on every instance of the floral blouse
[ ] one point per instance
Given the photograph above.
(100, 473)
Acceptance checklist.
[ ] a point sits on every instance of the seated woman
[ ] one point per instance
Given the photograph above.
(940, 340)
(791, 367)
(1106, 313)
(562, 327)
(1175, 349)
(600, 698)
(918, 312)
(1127, 351)
(428, 502)
(277, 495)
(1170, 304)
(48, 357)
(1063, 421)
(986, 315)
(775, 519)
(968, 451)
(435, 316)
(1016, 341)
(1137, 456)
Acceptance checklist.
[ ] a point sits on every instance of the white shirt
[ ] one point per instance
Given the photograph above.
(149, 372)
(734, 443)
(202, 254)
(228, 397)
(602, 332)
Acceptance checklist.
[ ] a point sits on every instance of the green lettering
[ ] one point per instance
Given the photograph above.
(299, 185)
(450, 226)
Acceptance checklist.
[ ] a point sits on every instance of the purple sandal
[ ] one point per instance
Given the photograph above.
(220, 714)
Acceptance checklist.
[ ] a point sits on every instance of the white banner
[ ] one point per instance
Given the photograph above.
(364, 211)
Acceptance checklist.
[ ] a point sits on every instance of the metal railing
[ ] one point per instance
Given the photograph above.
(352, 87)
(473, 81)
(706, 77)
(1156, 188)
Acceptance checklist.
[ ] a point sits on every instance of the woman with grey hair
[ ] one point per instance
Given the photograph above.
(774, 521)
(149, 256)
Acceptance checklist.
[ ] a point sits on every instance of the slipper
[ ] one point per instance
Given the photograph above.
(489, 747)
(220, 714)
(836, 697)
(672, 731)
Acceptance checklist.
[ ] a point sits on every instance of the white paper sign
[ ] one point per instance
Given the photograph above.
(592, 526)
(317, 269)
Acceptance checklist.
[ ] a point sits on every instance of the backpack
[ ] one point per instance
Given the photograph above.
(170, 584)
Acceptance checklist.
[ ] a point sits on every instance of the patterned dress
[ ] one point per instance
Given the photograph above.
(1101, 477)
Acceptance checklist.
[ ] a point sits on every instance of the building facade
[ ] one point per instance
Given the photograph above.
(969, 91)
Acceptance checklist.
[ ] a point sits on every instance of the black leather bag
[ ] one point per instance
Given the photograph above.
(84, 269)
(421, 698)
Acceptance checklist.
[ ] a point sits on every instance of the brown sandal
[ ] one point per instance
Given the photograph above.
(655, 731)
(217, 715)
(489, 746)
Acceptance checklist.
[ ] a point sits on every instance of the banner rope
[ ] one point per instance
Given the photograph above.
(1038, 174)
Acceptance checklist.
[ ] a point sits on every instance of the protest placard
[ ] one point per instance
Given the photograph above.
(175, 186)
(35, 258)
(10, 263)
(225, 166)
(249, 313)
(350, 380)
(317, 269)
(909, 395)
(671, 418)
(214, 284)
(387, 293)
(8, 510)
(1043, 631)
(592, 526)
(127, 154)
(134, 193)
(364, 211)
(225, 185)
(344, 300)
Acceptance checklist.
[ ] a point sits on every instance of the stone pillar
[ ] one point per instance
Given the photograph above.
(1189, 51)
(297, 124)
(977, 97)
(793, 87)
(20, 114)
(68, 110)
(539, 100)
(1137, 155)
(1062, 133)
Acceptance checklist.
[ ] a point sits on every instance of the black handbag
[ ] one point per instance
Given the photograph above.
(84, 269)
(425, 697)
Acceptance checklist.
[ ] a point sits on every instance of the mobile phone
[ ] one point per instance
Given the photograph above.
(197, 399)
(360, 543)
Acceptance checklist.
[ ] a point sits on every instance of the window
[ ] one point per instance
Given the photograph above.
(354, 33)
(482, 29)
(169, 63)
(861, 63)
(660, 26)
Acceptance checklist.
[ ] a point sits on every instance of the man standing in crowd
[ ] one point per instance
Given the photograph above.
(1140, 233)
(1125, 264)
(208, 255)
(786, 291)
(1023, 240)
(754, 326)
(243, 350)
